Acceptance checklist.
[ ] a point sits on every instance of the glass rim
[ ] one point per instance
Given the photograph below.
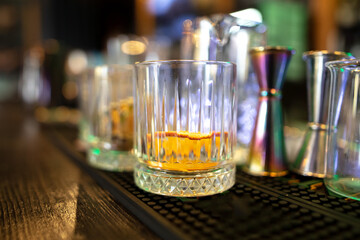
(343, 63)
(189, 61)
(326, 52)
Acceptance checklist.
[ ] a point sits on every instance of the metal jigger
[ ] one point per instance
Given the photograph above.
(311, 160)
(267, 155)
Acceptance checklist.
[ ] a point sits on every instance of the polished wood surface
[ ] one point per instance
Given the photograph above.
(43, 195)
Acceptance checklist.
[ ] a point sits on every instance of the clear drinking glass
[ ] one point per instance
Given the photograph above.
(186, 127)
(85, 86)
(343, 135)
(111, 128)
(224, 37)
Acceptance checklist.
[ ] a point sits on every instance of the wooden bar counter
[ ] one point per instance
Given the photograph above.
(47, 191)
(44, 195)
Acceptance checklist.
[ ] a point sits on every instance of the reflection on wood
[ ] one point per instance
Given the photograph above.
(44, 195)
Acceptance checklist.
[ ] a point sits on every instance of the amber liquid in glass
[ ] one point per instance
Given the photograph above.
(122, 117)
(185, 151)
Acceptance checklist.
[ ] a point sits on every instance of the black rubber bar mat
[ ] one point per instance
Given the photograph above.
(291, 207)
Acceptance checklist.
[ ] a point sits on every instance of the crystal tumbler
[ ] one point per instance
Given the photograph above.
(111, 128)
(186, 127)
(342, 174)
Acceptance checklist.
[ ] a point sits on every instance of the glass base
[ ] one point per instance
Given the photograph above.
(346, 187)
(176, 184)
(111, 160)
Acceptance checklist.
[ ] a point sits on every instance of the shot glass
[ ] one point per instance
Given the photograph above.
(111, 127)
(342, 175)
(186, 127)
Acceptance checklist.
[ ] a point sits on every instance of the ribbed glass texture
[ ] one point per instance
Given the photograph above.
(186, 116)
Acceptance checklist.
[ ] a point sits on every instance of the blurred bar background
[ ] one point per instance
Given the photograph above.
(46, 44)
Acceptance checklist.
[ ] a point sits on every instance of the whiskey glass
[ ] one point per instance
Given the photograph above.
(111, 126)
(185, 127)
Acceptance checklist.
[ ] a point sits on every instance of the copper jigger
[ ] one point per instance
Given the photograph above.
(267, 155)
(310, 160)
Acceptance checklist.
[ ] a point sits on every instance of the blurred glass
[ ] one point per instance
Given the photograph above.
(159, 48)
(33, 87)
(185, 131)
(343, 135)
(227, 38)
(111, 126)
(129, 49)
(86, 102)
